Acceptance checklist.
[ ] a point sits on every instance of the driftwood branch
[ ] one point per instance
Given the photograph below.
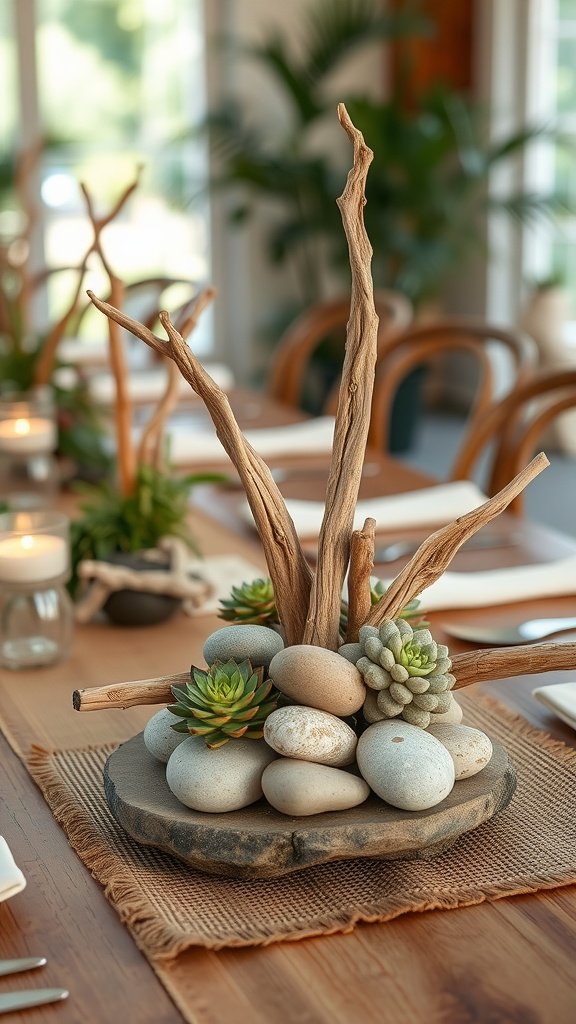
(359, 573)
(472, 667)
(353, 413)
(437, 551)
(45, 363)
(290, 573)
(502, 662)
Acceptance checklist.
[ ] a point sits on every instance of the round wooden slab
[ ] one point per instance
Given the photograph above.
(259, 842)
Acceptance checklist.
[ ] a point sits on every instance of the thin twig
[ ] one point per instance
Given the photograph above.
(353, 413)
(437, 551)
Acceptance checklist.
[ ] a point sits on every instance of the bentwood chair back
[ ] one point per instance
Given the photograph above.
(425, 344)
(326, 319)
(514, 426)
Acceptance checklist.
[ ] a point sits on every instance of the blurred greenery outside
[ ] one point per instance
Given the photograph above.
(118, 81)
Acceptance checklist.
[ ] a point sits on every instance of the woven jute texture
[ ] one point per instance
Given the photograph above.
(169, 907)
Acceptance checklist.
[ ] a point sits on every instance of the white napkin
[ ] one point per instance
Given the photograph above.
(11, 878)
(559, 698)
(501, 586)
(222, 572)
(200, 445)
(432, 506)
(149, 385)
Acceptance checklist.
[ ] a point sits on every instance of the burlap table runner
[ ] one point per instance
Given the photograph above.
(169, 907)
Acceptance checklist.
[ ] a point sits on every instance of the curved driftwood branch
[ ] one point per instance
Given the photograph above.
(289, 571)
(353, 413)
(503, 662)
(437, 551)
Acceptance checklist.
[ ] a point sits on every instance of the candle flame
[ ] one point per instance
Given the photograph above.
(27, 541)
(22, 427)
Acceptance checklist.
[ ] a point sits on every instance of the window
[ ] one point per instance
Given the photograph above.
(119, 83)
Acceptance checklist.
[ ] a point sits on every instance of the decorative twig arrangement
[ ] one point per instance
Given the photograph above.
(308, 605)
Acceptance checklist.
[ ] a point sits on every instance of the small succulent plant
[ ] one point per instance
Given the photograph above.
(407, 669)
(227, 701)
(250, 603)
(377, 590)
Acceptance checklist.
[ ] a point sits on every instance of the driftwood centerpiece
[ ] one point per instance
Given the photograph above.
(384, 699)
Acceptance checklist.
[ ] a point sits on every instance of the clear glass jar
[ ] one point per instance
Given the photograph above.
(36, 614)
(28, 439)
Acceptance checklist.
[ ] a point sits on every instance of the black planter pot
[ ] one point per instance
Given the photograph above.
(135, 607)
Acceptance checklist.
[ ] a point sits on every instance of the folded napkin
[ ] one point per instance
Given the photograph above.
(11, 878)
(200, 445)
(432, 506)
(501, 586)
(559, 698)
(222, 572)
(149, 385)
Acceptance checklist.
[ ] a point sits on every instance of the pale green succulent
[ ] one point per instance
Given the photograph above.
(409, 671)
(251, 603)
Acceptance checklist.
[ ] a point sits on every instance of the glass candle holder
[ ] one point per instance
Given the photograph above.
(28, 439)
(36, 616)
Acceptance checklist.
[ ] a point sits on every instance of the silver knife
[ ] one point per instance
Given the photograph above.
(33, 997)
(24, 964)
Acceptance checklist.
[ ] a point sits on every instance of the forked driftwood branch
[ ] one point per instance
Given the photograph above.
(437, 551)
(290, 573)
(353, 413)
(472, 667)
(45, 364)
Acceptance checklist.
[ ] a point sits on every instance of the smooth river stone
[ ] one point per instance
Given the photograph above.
(451, 717)
(257, 643)
(470, 749)
(300, 788)
(318, 678)
(310, 735)
(404, 765)
(159, 737)
(224, 779)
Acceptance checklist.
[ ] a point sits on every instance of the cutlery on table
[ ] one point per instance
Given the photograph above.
(10, 1001)
(519, 633)
(26, 963)
(479, 542)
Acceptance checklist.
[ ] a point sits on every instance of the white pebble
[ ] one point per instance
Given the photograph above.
(404, 765)
(160, 739)
(220, 780)
(470, 749)
(301, 788)
(310, 735)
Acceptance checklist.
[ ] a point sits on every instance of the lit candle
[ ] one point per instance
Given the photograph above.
(32, 558)
(27, 435)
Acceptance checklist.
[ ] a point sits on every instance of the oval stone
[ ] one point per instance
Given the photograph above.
(160, 739)
(310, 735)
(453, 716)
(470, 749)
(300, 787)
(257, 643)
(220, 780)
(318, 678)
(404, 765)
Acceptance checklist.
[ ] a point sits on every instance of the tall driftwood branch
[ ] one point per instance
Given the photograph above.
(290, 573)
(45, 363)
(353, 413)
(359, 573)
(472, 667)
(437, 551)
(125, 453)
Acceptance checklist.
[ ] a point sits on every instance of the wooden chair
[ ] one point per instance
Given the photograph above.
(298, 344)
(422, 345)
(514, 425)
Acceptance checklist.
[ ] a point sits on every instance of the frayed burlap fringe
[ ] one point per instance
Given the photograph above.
(169, 908)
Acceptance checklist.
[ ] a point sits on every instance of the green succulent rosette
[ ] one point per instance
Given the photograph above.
(377, 590)
(227, 701)
(251, 603)
(406, 671)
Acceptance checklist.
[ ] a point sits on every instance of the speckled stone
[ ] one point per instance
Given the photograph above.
(310, 735)
(470, 749)
(301, 788)
(318, 678)
(159, 737)
(224, 779)
(404, 765)
(258, 643)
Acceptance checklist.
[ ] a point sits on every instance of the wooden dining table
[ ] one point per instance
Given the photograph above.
(513, 960)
